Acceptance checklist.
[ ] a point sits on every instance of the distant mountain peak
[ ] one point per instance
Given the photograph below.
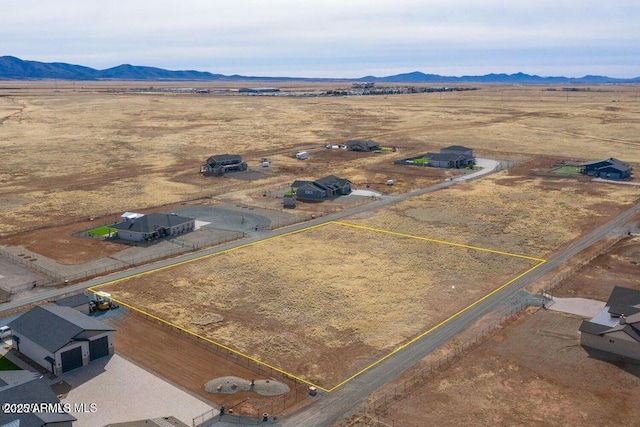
(13, 68)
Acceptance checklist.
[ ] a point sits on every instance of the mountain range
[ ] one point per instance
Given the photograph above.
(12, 68)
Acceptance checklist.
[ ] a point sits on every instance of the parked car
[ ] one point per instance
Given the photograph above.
(5, 332)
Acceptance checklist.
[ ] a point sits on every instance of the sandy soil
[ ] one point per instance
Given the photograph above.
(325, 302)
(531, 373)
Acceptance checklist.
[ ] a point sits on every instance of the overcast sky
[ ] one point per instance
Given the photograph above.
(331, 38)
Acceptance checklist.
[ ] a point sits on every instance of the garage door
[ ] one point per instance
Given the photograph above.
(71, 359)
(98, 348)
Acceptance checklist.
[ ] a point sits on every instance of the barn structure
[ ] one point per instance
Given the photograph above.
(140, 227)
(357, 145)
(610, 168)
(616, 329)
(324, 188)
(69, 341)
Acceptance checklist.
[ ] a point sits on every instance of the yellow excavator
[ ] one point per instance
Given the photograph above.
(102, 301)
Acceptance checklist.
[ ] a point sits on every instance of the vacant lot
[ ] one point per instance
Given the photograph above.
(509, 211)
(325, 302)
(618, 267)
(72, 152)
(531, 373)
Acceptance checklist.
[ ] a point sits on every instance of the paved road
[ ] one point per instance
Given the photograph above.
(331, 407)
(488, 166)
(341, 402)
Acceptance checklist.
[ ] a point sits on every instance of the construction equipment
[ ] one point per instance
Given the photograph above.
(101, 301)
(223, 163)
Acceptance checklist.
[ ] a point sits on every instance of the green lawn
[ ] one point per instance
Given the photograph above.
(105, 230)
(567, 170)
(7, 365)
(420, 161)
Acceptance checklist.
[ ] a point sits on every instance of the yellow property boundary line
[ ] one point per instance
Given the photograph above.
(287, 374)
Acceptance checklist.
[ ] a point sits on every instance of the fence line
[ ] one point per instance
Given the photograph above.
(548, 290)
(275, 405)
(374, 413)
(31, 265)
(60, 277)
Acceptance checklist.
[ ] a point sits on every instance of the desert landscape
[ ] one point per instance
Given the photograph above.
(325, 302)
(102, 149)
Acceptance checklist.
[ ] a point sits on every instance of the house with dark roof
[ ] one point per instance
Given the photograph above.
(78, 302)
(328, 187)
(610, 168)
(357, 145)
(457, 149)
(455, 156)
(616, 329)
(153, 226)
(448, 160)
(60, 338)
(24, 387)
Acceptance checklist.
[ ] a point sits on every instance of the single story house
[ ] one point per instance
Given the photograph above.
(78, 302)
(356, 145)
(610, 168)
(154, 226)
(309, 190)
(448, 160)
(70, 339)
(25, 387)
(616, 329)
(323, 188)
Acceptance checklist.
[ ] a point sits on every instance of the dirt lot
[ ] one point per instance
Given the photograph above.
(618, 267)
(94, 150)
(319, 303)
(155, 347)
(532, 373)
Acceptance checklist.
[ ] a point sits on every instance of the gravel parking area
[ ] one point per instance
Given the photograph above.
(122, 391)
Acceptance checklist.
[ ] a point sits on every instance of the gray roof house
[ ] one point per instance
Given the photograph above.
(78, 302)
(320, 189)
(154, 226)
(357, 145)
(616, 329)
(457, 149)
(60, 338)
(24, 387)
(448, 160)
(610, 168)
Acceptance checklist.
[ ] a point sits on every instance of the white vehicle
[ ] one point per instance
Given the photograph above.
(302, 155)
(5, 331)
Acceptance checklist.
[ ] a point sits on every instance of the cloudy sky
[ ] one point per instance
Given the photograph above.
(331, 38)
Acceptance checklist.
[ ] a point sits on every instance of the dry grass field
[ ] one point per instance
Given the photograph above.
(508, 211)
(322, 303)
(72, 151)
(328, 301)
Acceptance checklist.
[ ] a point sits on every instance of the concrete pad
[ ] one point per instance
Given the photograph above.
(366, 193)
(114, 390)
(579, 306)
